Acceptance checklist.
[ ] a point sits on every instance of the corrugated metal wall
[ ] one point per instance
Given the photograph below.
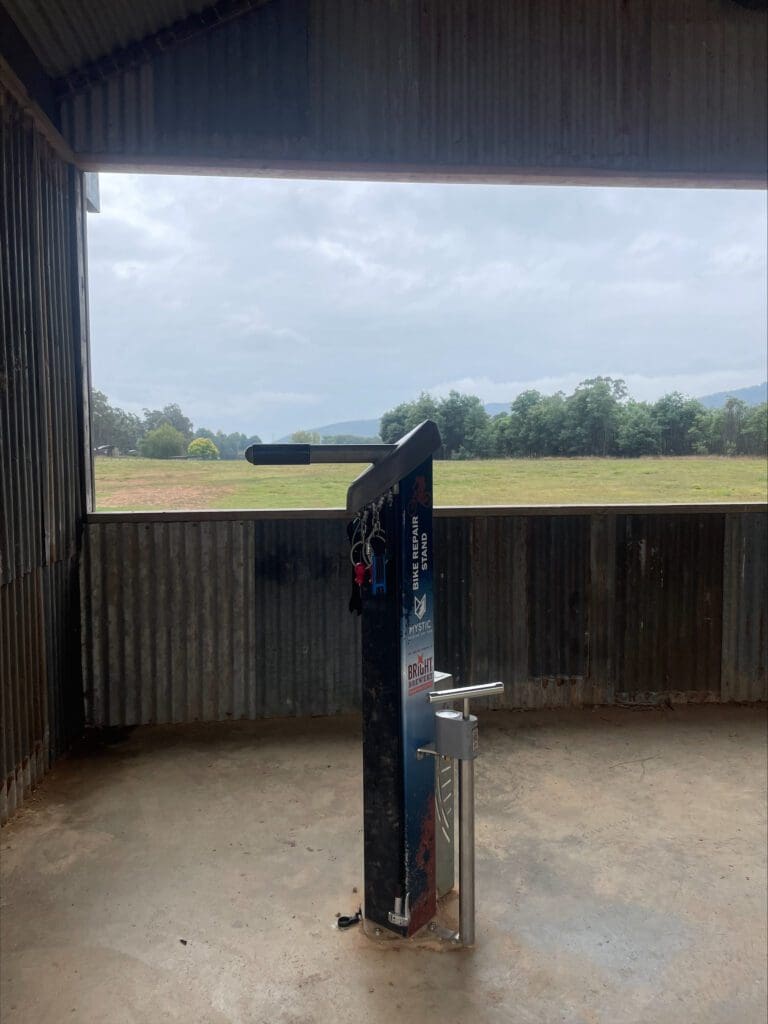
(646, 86)
(745, 626)
(42, 473)
(187, 621)
(244, 615)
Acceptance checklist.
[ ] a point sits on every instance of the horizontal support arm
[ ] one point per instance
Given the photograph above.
(465, 693)
(306, 454)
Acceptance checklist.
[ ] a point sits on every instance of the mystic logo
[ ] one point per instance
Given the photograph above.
(420, 607)
(420, 628)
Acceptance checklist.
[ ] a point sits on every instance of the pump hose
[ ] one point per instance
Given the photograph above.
(348, 920)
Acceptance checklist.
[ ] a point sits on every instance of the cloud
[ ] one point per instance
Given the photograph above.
(646, 288)
(502, 280)
(152, 214)
(285, 398)
(351, 263)
(253, 324)
(656, 244)
(737, 258)
(251, 300)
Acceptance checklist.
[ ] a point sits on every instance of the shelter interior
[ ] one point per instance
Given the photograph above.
(621, 851)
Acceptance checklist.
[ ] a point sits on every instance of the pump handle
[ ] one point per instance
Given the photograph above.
(465, 692)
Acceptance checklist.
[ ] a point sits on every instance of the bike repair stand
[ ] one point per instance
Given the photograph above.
(408, 861)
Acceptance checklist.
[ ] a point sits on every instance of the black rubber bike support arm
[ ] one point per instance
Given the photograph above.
(390, 462)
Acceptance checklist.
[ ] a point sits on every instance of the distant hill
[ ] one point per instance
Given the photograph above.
(752, 396)
(494, 408)
(362, 428)
(370, 428)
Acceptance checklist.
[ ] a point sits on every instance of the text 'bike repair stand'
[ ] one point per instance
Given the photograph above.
(410, 744)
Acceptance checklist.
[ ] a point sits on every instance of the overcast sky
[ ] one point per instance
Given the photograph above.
(266, 306)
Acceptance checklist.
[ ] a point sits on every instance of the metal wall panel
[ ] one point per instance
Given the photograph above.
(41, 415)
(20, 539)
(669, 606)
(23, 692)
(203, 621)
(204, 617)
(558, 578)
(540, 86)
(182, 101)
(42, 449)
(745, 608)
(453, 597)
(61, 643)
(499, 622)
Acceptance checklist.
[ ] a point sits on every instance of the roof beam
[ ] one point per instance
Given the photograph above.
(432, 172)
(10, 81)
(21, 60)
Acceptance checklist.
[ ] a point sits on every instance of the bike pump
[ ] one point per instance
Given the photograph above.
(456, 739)
(408, 799)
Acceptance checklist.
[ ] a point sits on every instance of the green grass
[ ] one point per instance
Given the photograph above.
(147, 484)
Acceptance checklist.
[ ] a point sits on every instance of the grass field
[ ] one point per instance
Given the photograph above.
(142, 484)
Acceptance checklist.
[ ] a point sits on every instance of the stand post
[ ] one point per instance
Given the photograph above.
(467, 853)
(398, 669)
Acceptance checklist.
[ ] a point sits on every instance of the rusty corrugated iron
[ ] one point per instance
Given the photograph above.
(745, 608)
(209, 620)
(207, 616)
(24, 733)
(669, 602)
(595, 86)
(42, 451)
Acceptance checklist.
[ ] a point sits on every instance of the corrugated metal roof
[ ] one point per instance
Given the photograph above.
(66, 34)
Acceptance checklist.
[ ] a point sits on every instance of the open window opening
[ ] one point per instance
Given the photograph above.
(575, 345)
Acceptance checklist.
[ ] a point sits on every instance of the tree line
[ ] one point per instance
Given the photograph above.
(598, 418)
(161, 433)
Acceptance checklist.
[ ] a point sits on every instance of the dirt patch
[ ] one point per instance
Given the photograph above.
(161, 497)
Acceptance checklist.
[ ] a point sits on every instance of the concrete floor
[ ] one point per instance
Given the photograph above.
(194, 874)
